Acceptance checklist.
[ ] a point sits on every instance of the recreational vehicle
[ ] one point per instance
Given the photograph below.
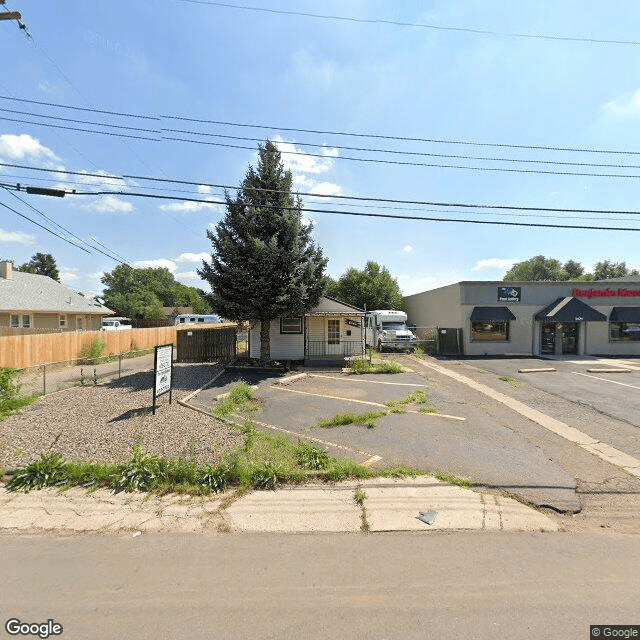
(387, 329)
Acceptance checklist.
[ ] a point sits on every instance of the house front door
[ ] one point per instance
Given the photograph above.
(333, 336)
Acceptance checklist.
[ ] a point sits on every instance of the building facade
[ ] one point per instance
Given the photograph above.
(534, 318)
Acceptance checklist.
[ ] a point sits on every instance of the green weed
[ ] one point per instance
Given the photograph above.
(427, 410)
(362, 365)
(369, 419)
(510, 380)
(10, 399)
(92, 351)
(49, 470)
(241, 398)
(360, 496)
(141, 471)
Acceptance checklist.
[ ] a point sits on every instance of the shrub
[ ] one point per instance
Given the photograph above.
(141, 471)
(92, 351)
(49, 470)
(10, 398)
(215, 477)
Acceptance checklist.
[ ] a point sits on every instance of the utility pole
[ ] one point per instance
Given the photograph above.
(9, 15)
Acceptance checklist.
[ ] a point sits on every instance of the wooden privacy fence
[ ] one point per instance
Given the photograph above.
(29, 350)
(206, 345)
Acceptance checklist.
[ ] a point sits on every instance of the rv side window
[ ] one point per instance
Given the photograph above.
(182, 320)
(192, 319)
(200, 319)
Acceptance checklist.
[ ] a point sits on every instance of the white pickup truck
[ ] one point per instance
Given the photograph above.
(116, 324)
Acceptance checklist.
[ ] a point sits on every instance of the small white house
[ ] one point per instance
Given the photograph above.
(328, 334)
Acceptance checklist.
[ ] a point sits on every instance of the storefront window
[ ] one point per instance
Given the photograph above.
(489, 331)
(624, 331)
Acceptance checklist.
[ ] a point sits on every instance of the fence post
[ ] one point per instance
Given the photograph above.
(119, 365)
(44, 379)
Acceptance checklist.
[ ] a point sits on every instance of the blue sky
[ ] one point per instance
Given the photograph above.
(179, 58)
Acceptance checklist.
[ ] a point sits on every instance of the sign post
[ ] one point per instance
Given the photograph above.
(163, 370)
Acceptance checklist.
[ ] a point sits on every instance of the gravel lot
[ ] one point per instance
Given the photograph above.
(103, 422)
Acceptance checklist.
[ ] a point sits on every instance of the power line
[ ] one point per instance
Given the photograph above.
(351, 158)
(308, 144)
(464, 205)
(73, 235)
(420, 25)
(335, 133)
(373, 215)
(53, 233)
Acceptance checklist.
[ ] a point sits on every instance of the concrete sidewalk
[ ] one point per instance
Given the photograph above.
(387, 505)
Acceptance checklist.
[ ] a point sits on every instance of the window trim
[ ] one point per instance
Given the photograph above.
(297, 319)
(506, 338)
(62, 320)
(17, 322)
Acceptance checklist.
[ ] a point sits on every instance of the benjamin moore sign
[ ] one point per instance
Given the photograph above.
(509, 294)
(606, 293)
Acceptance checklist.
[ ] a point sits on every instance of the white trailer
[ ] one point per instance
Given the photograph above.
(387, 329)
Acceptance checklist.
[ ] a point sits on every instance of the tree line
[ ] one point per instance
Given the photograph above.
(542, 268)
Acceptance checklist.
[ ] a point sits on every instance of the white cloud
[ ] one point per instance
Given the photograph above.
(193, 257)
(187, 275)
(326, 189)
(407, 248)
(493, 263)
(190, 206)
(299, 161)
(15, 236)
(69, 275)
(625, 105)
(25, 147)
(204, 188)
(109, 204)
(156, 264)
(314, 71)
(101, 179)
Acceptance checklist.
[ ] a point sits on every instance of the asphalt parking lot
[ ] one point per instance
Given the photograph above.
(610, 386)
(467, 437)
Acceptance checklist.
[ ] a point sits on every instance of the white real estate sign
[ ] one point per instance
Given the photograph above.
(163, 370)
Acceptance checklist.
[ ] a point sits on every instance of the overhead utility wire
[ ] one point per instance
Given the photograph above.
(465, 205)
(420, 25)
(350, 158)
(374, 215)
(342, 204)
(64, 229)
(317, 145)
(53, 233)
(335, 133)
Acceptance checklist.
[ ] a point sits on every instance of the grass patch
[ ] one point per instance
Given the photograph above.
(416, 397)
(427, 410)
(510, 380)
(241, 398)
(10, 399)
(362, 365)
(452, 479)
(369, 419)
(360, 496)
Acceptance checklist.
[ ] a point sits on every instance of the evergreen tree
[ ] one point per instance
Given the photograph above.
(43, 264)
(264, 264)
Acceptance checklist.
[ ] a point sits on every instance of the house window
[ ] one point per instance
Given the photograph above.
(63, 322)
(490, 331)
(624, 331)
(15, 321)
(291, 325)
(26, 322)
(333, 331)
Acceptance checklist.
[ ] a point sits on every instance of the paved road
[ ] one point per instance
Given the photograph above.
(479, 585)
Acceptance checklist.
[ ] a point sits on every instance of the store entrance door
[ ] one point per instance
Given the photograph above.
(569, 337)
(548, 339)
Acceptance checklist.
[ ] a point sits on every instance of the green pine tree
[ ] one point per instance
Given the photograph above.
(264, 264)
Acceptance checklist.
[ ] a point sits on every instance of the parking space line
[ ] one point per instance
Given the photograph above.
(622, 384)
(319, 395)
(584, 441)
(352, 379)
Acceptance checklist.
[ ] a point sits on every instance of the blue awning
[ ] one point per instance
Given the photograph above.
(569, 309)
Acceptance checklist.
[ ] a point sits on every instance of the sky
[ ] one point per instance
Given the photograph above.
(446, 99)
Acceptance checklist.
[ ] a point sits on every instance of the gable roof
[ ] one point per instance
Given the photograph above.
(329, 305)
(569, 309)
(32, 292)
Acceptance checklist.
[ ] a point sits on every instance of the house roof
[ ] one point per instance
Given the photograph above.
(569, 309)
(32, 292)
(331, 306)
